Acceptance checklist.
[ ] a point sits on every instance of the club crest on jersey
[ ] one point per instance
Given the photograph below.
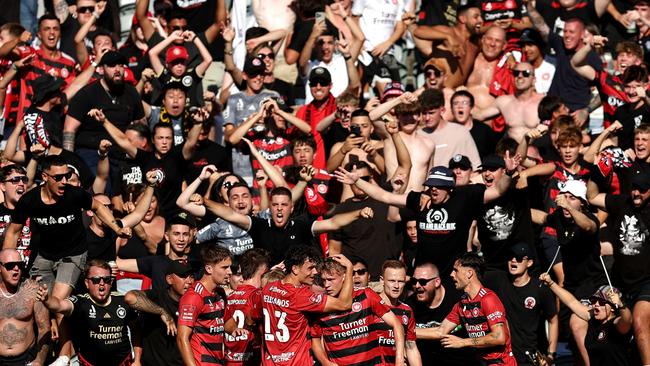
(475, 312)
(121, 312)
(356, 307)
(316, 298)
(530, 302)
(602, 335)
(405, 319)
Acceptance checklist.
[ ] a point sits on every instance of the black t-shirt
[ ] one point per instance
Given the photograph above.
(45, 128)
(69, 29)
(130, 173)
(277, 240)
(173, 164)
(484, 138)
(502, 223)
(631, 240)
(137, 60)
(206, 153)
(373, 240)
(631, 118)
(158, 348)
(526, 307)
(190, 80)
(567, 84)
(443, 229)
(60, 223)
(120, 108)
(102, 334)
(101, 247)
(441, 12)
(154, 267)
(583, 272)
(547, 151)
(606, 346)
(432, 352)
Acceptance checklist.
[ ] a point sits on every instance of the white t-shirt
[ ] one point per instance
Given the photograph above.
(337, 69)
(543, 77)
(378, 19)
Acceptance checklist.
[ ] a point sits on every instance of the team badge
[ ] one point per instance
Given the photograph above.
(121, 312)
(530, 302)
(356, 306)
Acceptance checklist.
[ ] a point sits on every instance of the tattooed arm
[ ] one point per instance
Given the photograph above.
(138, 300)
(42, 318)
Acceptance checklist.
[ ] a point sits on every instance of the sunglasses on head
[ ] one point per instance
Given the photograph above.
(359, 272)
(270, 56)
(421, 281)
(434, 72)
(17, 179)
(85, 9)
(179, 28)
(9, 266)
(525, 73)
(98, 279)
(59, 177)
(227, 185)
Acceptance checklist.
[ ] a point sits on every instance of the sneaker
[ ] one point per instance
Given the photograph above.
(61, 361)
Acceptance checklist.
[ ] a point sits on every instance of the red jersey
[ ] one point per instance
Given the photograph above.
(478, 315)
(612, 94)
(404, 313)
(244, 350)
(349, 337)
(286, 327)
(203, 311)
(312, 115)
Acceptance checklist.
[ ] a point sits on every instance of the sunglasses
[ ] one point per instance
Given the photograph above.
(179, 28)
(359, 272)
(270, 56)
(85, 9)
(598, 301)
(367, 178)
(315, 83)
(525, 73)
(519, 258)
(17, 179)
(98, 279)
(10, 266)
(227, 185)
(436, 73)
(59, 177)
(421, 281)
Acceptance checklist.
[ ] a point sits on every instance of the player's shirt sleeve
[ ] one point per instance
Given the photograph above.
(454, 314)
(410, 327)
(307, 300)
(376, 303)
(315, 330)
(494, 310)
(255, 305)
(189, 309)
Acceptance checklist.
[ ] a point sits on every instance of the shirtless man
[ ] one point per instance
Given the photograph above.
(518, 110)
(457, 46)
(19, 343)
(488, 61)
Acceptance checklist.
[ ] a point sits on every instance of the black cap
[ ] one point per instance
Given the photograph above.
(174, 84)
(522, 249)
(282, 104)
(182, 218)
(254, 66)
(320, 74)
(532, 35)
(112, 58)
(460, 161)
(492, 161)
(440, 176)
(178, 268)
(45, 86)
(641, 180)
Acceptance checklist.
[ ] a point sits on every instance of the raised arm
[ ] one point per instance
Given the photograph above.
(240, 131)
(344, 300)
(601, 7)
(106, 216)
(136, 216)
(228, 214)
(409, 19)
(530, 136)
(198, 118)
(11, 151)
(183, 200)
(11, 235)
(116, 134)
(154, 52)
(305, 54)
(579, 59)
(103, 167)
(582, 311)
(206, 58)
(141, 9)
(139, 301)
(354, 80)
(486, 113)
(61, 10)
(79, 43)
(303, 126)
(582, 220)
(398, 333)
(326, 122)
(537, 170)
(538, 20)
(54, 304)
(593, 149)
(274, 175)
(403, 156)
(372, 190)
(341, 220)
(503, 184)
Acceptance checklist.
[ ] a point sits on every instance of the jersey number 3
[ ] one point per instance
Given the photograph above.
(282, 332)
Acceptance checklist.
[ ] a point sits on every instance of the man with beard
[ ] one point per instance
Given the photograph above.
(119, 101)
(103, 320)
(158, 344)
(20, 315)
(13, 184)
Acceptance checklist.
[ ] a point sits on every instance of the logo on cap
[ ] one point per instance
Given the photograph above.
(457, 158)
(257, 62)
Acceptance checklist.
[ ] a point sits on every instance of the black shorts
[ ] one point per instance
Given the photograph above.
(640, 292)
(20, 360)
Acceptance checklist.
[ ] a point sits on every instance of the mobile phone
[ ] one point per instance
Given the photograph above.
(355, 130)
(320, 16)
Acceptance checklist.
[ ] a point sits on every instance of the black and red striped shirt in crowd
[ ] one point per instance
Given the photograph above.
(349, 337)
(203, 311)
(555, 182)
(404, 314)
(493, 10)
(478, 315)
(612, 94)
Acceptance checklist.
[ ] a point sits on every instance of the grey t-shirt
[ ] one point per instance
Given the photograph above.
(177, 124)
(229, 235)
(239, 107)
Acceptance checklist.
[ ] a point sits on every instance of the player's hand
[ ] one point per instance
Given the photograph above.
(169, 323)
(451, 341)
(342, 260)
(207, 171)
(25, 61)
(307, 173)
(279, 267)
(97, 114)
(366, 213)
(346, 177)
(239, 332)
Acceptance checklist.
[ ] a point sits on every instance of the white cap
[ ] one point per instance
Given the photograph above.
(577, 188)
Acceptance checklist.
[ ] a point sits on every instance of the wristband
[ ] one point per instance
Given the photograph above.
(510, 174)
(551, 355)
(93, 63)
(228, 52)
(14, 66)
(194, 38)
(96, 15)
(119, 224)
(345, 18)
(346, 58)
(101, 156)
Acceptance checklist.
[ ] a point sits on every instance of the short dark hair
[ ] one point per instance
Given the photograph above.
(141, 129)
(238, 184)
(212, 253)
(356, 259)
(358, 165)
(431, 99)
(506, 144)
(160, 125)
(96, 263)
(360, 112)
(299, 254)
(252, 260)
(394, 264)
(103, 32)
(280, 191)
(547, 106)
(7, 170)
(14, 29)
(304, 140)
(175, 14)
(635, 73)
(473, 261)
(52, 160)
(463, 93)
(255, 32)
(47, 16)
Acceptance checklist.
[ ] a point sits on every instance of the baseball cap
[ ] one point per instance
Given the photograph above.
(112, 58)
(254, 66)
(601, 293)
(182, 218)
(531, 35)
(175, 53)
(641, 180)
(178, 268)
(440, 176)
(320, 74)
(492, 161)
(461, 161)
(577, 188)
(522, 249)
(392, 90)
(435, 64)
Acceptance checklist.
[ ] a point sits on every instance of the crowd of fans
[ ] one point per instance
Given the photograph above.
(326, 182)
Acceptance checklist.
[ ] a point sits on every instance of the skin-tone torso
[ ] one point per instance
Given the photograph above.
(274, 14)
(520, 113)
(457, 76)
(421, 148)
(479, 80)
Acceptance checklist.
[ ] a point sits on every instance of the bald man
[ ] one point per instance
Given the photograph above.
(19, 343)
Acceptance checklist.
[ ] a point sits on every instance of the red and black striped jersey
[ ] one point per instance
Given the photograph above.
(478, 315)
(386, 336)
(555, 182)
(243, 303)
(493, 10)
(612, 94)
(203, 311)
(350, 337)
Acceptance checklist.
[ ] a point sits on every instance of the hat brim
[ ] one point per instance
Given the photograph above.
(435, 182)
